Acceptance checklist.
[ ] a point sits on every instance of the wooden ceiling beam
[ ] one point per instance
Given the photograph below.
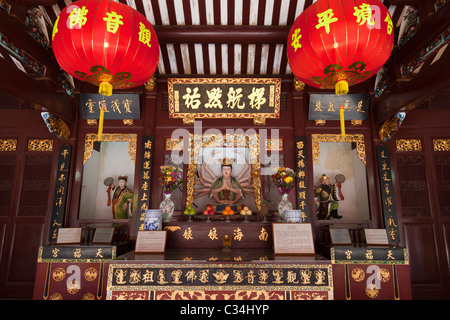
(33, 93)
(410, 93)
(39, 2)
(222, 34)
(15, 31)
(428, 83)
(404, 2)
(429, 29)
(32, 88)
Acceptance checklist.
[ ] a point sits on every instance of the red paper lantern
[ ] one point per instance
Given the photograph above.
(336, 43)
(105, 43)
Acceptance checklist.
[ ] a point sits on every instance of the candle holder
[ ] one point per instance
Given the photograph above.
(264, 220)
(264, 211)
(226, 241)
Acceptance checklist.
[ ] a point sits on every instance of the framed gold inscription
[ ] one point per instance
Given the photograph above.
(224, 98)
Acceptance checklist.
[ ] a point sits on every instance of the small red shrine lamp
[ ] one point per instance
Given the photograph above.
(105, 43)
(336, 43)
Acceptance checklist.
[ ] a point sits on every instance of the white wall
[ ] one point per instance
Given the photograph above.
(113, 161)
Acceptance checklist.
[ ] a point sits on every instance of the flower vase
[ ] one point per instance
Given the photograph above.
(284, 205)
(167, 207)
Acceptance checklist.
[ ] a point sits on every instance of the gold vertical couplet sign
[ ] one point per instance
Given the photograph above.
(302, 182)
(387, 195)
(144, 180)
(60, 193)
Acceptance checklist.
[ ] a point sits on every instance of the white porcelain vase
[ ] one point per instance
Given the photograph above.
(284, 205)
(167, 207)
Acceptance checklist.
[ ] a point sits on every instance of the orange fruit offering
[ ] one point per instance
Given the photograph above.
(231, 212)
(224, 212)
(228, 208)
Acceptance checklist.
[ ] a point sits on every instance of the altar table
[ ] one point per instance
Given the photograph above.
(353, 273)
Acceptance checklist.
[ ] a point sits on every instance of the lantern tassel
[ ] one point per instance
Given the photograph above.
(100, 123)
(341, 114)
(341, 87)
(105, 88)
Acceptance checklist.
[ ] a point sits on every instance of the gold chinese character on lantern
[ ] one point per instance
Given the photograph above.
(296, 39)
(145, 34)
(55, 28)
(113, 21)
(363, 14)
(78, 16)
(389, 23)
(325, 19)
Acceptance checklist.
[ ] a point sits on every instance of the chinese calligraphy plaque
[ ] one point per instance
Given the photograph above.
(243, 98)
(326, 106)
(117, 106)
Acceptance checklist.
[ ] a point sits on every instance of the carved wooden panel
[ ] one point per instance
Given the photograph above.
(35, 185)
(7, 168)
(442, 166)
(413, 185)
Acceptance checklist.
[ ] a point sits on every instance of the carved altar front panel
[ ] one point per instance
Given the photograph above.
(219, 281)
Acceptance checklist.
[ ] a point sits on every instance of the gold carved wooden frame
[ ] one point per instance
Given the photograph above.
(110, 137)
(441, 144)
(408, 145)
(258, 118)
(8, 144)
(250, 141)
(357, 138)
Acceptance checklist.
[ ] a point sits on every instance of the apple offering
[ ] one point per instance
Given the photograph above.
(208, 211)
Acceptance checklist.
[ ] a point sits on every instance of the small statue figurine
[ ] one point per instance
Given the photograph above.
(328, 195)
(121, 198)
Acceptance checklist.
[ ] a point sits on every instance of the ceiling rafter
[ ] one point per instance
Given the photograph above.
(219, 37)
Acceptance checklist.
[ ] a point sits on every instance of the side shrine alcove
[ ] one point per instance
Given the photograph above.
(339, 168)
(108, 197)
(104, 162)
(343, 161)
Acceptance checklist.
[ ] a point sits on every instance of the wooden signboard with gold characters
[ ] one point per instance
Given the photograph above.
(181, 280)
(224, 98)
(72, 272)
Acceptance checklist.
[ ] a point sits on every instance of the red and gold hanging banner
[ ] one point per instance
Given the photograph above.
(105, 43)
(336, 44)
